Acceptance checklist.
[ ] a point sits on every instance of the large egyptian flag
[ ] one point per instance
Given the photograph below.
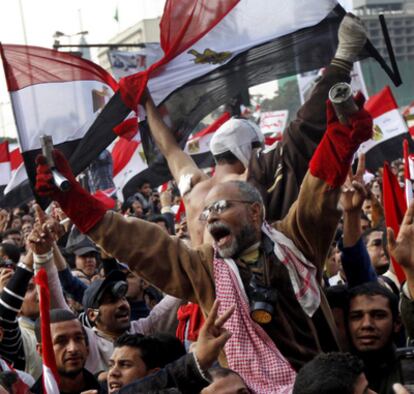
(57, 94)
(390, 129)
(214, 49)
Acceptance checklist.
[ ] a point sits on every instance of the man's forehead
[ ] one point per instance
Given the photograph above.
(369, 302)
(375, 235)
(222, 191)
(68, 327)
(125, 353)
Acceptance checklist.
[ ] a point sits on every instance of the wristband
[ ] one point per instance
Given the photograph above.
(43, 258)
(23, 265)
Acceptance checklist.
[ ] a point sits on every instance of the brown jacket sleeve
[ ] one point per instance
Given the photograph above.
(312, 220)
(162, 260)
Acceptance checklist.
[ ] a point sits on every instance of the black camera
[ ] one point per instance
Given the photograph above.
(261, 299)
(119, 289)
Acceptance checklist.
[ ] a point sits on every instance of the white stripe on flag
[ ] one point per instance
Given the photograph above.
(49, 382)
(386, 126)
(64, 110)
(5, 173)
(244, 27)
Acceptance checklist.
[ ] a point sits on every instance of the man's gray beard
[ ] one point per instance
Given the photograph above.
(244, 239)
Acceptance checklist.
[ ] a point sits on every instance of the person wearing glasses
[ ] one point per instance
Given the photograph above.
(272, 273)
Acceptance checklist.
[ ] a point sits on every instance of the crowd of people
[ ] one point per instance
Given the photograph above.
(276, 279)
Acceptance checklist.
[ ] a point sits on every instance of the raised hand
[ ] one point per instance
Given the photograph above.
(402, 248)
(212, 337)
(354, 192)
(41, 238)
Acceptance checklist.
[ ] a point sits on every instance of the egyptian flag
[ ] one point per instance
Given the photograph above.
(215, 49)
(131, 168)
(5, 164)
(408, 173)
(394, 209)
(49, 369)
(389, 131)
(409, 118)
(60, 95)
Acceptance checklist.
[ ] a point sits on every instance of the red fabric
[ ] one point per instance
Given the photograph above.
(84, 210)
(381, 102)
(127, 129)
(213, 126)
(16, 158)
(394, 209)
(334, 153)
(48, 354)
(122, 153)
(180, 212)
(407, 174)
(29, 65)
(183, 23)
(4, 152)
(105, 199)
(190, 313)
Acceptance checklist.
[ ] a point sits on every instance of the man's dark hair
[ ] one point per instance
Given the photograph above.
(8, 379)
(11, 231)
(329, 373)
(159, 218)
(173, 348)
(229, 158)
(56, 316)
(374, 289)
(370, 230)
(12, 251)
(150, 348)
(337, 296)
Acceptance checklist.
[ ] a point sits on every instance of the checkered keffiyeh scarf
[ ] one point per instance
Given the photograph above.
(249, 351)
(302, 273)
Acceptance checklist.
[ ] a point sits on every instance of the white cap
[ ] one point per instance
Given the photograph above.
(236, 136)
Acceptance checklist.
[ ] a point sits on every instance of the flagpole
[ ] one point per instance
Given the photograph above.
(23, 22)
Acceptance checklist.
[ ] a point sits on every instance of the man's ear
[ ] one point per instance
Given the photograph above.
(92, 314)
(152, 371)
(257, 211)
(39, 349)
(397, 325)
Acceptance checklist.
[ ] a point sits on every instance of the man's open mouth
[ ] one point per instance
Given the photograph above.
(220, 233)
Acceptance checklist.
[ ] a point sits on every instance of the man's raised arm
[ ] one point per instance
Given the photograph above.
(179, 162)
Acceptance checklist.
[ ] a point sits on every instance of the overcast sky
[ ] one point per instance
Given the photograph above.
(44, 17)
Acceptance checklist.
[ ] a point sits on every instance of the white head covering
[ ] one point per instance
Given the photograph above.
(236, 136)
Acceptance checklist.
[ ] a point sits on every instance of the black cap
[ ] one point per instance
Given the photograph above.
(79, 243)
(93, 294)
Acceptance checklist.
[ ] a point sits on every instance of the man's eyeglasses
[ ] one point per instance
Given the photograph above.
(218, 207)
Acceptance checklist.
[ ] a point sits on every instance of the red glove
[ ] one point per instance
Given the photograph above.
(84, 210)
(334, 154)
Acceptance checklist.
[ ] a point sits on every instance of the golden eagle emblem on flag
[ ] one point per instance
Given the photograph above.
(209, 56)
(193, 147)
(377, 134)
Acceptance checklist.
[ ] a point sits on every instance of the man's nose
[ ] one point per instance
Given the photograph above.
(366, 321)
(114, 371)
(72, 346)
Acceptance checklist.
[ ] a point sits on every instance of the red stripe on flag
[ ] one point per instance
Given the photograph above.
(381, 103)
(16, 158)
(394, 209)
(30, 65)
(212, 127)
(4, 152)
(122, 153)
(48, 354)
(182, 24)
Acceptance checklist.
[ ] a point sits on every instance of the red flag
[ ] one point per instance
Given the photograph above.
(394, 209)
(5, 165)
(50, 373)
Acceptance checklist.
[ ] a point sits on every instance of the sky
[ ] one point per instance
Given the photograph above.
(42, 18)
